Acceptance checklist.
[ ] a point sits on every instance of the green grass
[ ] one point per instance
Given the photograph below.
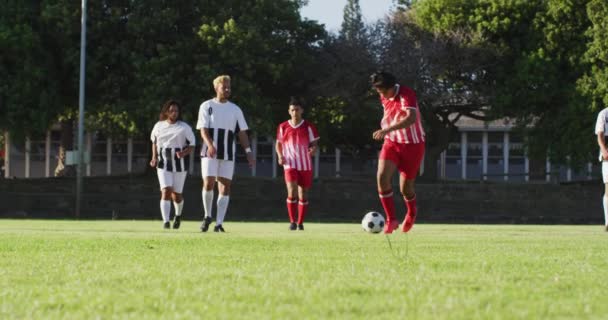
(134, 269)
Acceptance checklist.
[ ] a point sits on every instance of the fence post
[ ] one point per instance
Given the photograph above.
(191, 159)
(568, 170)
(317, 164)
(47, 154)
(548, 170)
(254, 150)
(109, 156)
(274, 158)
(129, 154)
(89, 149)
(463, 154)
(484, 155)
(442, 163)
(338, 153)
(28, 151)
(505, 154)
(7, 154)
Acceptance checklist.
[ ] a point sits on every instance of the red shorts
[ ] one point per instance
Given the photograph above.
(407, 157)
(302, 178)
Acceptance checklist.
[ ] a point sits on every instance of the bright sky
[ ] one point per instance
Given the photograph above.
(329, 12)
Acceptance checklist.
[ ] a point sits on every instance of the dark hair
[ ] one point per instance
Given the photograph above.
(293, 101)
(382, 80)
(165, 109)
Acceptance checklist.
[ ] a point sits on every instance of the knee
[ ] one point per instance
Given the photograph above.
(165, 194)
(384, 182)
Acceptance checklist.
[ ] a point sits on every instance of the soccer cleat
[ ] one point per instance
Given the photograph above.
(167, 225)
(218, 228)
(408, 223)
(206, 224)
(293, 226)
(301, 227)
(177, 222)
(390, 226)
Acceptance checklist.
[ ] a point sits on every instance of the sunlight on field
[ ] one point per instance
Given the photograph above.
(135, 269)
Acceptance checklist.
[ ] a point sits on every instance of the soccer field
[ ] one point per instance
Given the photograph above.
(135, 269)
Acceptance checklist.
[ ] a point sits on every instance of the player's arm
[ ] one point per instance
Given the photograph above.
(244, 141)
(189, 136)
(405, 122)
(184, 152)
(602, 144)
(313, 146)
(154, 156)
(279, 149)
(209, 142)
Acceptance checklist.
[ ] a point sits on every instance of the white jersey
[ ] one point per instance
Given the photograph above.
(169, 139)
(601, 125)
(224, 121)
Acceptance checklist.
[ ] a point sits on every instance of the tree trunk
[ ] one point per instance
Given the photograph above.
(66, 143)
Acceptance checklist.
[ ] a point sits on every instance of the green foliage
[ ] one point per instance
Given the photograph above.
(538, 47)
(141, 53)
(594, 83)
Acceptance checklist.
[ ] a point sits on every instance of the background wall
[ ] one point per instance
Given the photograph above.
(331, 199)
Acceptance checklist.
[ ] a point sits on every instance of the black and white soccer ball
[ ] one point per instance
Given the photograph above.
(373, 222)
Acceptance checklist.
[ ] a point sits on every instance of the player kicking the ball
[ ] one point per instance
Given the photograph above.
(296, 142)
(402, 150)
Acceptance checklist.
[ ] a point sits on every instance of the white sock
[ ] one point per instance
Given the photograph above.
(165, 209)
(605, 210)
(178, 207)
(208, 202)
(222, 207)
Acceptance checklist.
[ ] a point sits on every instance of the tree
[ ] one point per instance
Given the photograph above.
(594, 83)
(537, 45)
(353, 28)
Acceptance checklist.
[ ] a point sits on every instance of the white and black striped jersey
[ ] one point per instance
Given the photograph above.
(224, 121)
(169, 139)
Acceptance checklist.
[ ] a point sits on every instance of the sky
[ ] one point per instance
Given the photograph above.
(329, 12)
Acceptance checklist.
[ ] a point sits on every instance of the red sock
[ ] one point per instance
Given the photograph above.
(410, 217)
(291, 208)
(411, 205)
(302, 207)
(386, 197)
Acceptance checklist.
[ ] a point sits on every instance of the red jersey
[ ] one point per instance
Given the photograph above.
(295, 141)
(394, 111)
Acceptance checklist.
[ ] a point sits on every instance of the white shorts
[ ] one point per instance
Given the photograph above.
(605, 171)
(217, 168)
(174, 180)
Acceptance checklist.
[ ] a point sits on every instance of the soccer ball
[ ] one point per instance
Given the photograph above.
(373, 222)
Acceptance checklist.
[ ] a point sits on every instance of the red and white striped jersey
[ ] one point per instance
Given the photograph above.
(394, 111)
(295, 141)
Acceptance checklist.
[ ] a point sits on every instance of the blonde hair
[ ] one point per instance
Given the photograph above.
(220, 79)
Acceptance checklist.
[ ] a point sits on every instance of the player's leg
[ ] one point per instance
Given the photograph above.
(412, 155)
(179, 178)
(292, 200)
(209, 170)
(605, 198)
(304, 184)
(605, 202)
(386, 170)
(409, 195)
(165, 180)
(226, 171)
